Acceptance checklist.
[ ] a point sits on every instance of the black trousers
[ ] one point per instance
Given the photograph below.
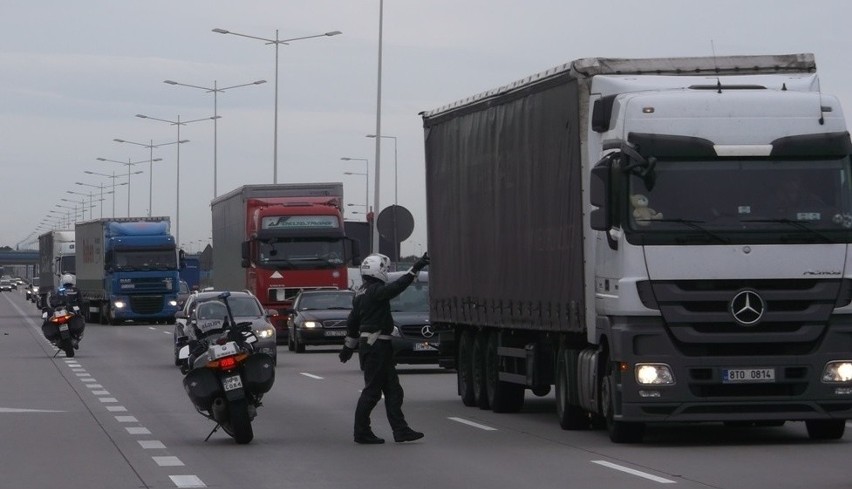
(379, 377)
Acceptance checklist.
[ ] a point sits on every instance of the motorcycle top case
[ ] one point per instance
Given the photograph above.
(202, 386)
(259, 373)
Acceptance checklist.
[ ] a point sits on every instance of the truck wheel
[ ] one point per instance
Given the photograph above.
(825, 429)
(571, 416)
(477, 369)
(465, 369)
(619, 431)
(504, 397)
(112, 320)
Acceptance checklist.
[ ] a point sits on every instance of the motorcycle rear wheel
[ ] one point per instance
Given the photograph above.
(240, 423)
(68, 347)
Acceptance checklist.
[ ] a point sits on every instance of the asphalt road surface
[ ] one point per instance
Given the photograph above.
(116, 417)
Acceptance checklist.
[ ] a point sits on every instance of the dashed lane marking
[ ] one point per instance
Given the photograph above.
(169, 461)
(187, 481)
(138, 430)
(471, 423)
(312, 376)
(635, 472)
(151, 444)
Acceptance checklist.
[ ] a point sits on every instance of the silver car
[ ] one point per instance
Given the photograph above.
(244, 306)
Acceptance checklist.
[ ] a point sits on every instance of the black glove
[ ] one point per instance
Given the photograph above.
(421, 263)
(345, 354)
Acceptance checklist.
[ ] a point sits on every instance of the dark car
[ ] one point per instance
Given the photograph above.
(244, 306)
(415, 339)
(318, 317)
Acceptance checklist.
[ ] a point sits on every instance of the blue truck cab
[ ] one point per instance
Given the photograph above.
(128, 270)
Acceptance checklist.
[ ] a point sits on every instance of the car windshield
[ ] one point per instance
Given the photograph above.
(241, 306)
(413, 299)
(735, 200)
(336, 300)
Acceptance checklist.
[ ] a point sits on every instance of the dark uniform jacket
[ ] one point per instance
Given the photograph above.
(371, 306)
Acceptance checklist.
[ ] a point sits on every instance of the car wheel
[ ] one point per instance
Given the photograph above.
(290, 335)
(298, 346)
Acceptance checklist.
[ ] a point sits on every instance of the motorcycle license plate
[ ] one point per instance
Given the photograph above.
(63, 327)
(232, 382)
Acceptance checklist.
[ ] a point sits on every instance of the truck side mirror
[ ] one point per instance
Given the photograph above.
(245, 254)
(245, 263)
(182, 259)
(599, 196)
(354, 251)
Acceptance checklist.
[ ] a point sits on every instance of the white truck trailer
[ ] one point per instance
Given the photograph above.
(56, 257)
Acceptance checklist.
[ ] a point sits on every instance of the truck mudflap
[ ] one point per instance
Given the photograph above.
(764, 382)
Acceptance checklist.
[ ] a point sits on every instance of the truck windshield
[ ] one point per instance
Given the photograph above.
(67, 264)
(300, 253)
(739, 201)
(145, 260)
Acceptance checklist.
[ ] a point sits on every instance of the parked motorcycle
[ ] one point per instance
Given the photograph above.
(63, 327)
(225, 378)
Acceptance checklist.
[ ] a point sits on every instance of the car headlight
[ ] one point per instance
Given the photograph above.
(311, 324)
(396, 332)
(265, 332)
(654, 374)
(35, 289)
(119, 304)
(837, 371)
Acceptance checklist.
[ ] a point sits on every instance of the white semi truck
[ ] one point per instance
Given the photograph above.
(664, 240)
(56, 255)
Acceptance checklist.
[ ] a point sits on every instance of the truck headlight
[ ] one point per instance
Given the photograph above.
(265, 332)
(311, 324)
(837, 371)
(654, 374)
(173, 303)
(119, 304)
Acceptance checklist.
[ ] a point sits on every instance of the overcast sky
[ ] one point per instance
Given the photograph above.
(74, 73)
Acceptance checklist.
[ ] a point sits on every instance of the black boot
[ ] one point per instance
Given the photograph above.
(406, 435)
(368, 438)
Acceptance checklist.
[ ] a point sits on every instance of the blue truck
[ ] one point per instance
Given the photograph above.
(127, 270)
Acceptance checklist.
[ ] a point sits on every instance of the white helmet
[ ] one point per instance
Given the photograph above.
(376, 266)
(68, 279)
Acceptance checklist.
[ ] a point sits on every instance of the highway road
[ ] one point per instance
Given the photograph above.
(116, 417)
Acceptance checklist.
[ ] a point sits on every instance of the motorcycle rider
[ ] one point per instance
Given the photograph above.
(369, 329)
(67, 295)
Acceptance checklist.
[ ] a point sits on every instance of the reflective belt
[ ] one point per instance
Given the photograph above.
(372, 337)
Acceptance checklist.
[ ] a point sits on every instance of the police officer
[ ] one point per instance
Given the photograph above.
(369, 329)
(66, 294)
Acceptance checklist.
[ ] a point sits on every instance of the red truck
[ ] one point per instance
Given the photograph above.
(276, 240)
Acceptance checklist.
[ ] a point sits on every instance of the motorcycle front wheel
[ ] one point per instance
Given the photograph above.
(240, 423)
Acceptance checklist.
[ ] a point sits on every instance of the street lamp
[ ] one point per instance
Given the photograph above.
(128, 164)
(151, 161)
(277, 42)
(89, 195)
(215, 90)
(101, 187)
(395, 168)
(113, 185)
(177, 123)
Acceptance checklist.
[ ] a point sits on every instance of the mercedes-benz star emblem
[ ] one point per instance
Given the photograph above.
(747, 308)
(426, 331)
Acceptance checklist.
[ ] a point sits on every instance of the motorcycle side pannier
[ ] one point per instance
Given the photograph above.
(259, 373)
(203, 387)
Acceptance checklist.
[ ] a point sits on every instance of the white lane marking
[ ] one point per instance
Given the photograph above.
(167, 332)
(151, 444)
(126, 419)
(311, 376)
(83, 375)
(634, 472)
(107, 399)
(116, 409)
(89, 379)
(471, 423)
(187, 481)
(15, 410)
(138, 431)
(78, 370)
(100, 393)
(152, 328)
(168, 461)
(94, 386)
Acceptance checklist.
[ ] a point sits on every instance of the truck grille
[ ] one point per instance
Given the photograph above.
(698, 314)
(287, 294)
(146, 304)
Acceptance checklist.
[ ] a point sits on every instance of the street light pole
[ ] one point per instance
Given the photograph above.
(215, 90)
(395, 192)
(177, 123)
(377, 187)
(277, 42)
(129, 164)
(113, 177)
